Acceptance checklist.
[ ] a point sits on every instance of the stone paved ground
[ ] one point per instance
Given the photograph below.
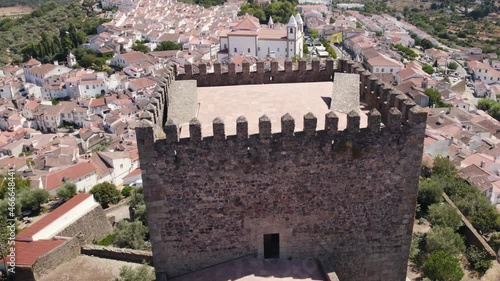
(274, 100)
(85, 268)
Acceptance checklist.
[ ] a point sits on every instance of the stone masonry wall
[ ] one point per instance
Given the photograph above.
(346, 197)
(261, 76)
(93, 226)
(63, 253)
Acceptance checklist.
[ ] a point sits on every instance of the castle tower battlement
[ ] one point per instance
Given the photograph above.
(343, 193)
(314, 73)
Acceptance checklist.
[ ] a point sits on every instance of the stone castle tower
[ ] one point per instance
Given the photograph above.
(343, 197)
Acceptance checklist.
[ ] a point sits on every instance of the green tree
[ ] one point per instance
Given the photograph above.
(485, 104)
(127, 191)
(444, 215)
(168, 45)
(429, 192)
(314, 33)
(32, 199)
(486, 221)
(105, 193)
(426, 44)
(434, 98)
(87, 60)
(142, 273)
(453, 65)
(19, 182)
(441, 266)
(445, 239)
(130, 235)
(5, 208)
(138, 207)
(140, 48)
(428, 69)
(443, 167)
(66, 191)
(478, 260)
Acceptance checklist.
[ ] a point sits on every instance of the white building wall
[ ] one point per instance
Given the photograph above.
(90, 91)
(242, 45)
(86, 183)
(67, 219)
(278, 47)
(385, 69)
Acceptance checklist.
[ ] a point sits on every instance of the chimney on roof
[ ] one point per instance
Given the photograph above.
(483, 164)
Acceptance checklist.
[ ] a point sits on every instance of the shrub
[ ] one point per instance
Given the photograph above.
(105, 193)
(442, 266)
(443, 167)
(444, 215)
(66, 191)
(130, 235)
(127, 191)
(142, 273)
(106, 241)
(477, 260)
(32, 199)
(445, 239)
(429, 193)
(428, 69)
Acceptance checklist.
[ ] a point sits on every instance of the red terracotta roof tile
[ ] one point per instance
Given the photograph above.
(133, 173)
(54, 179)
(28, 252)
(27, 233)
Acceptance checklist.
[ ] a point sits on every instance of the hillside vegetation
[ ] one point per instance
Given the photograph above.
(30, 3)
(47, 33)
(456, 23)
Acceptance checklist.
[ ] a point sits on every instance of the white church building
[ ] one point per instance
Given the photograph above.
(250, 38)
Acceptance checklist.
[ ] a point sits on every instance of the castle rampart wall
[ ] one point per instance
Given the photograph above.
(315, 73)
(344, 197)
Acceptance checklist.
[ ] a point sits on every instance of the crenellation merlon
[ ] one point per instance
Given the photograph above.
(310, 123)
(195, 129)
(353, 121)
(287, 125)
(374, 120)
(265, 127)
(416, 118)
(218, 129)
(394, 119)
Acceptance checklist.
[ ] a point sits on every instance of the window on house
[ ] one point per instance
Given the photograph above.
(235, 50)
(383, 70)
(121, 166)
(291, 30)
(225, 46)
(278, 49)
(392, 70)
(87, 87)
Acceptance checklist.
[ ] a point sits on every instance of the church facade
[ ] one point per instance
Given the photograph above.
(249, 38)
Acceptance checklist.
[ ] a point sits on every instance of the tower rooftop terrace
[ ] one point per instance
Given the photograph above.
(273, 100)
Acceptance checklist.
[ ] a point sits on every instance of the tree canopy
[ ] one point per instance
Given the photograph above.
(442, 266)
(105, 193)
(66, 191)
(280, 10)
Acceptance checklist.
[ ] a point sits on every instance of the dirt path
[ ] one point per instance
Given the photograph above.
(85, 268)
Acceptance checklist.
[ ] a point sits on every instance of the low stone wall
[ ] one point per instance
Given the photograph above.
(128, 255)
(471, 234)
(93, 226)
(63, 253)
